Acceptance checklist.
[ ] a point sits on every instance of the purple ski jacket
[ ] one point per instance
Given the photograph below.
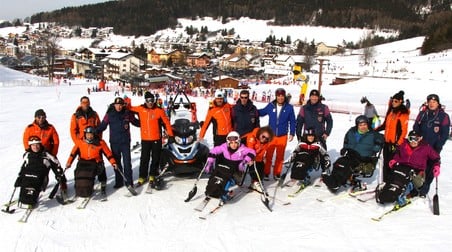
(222, 153)
(416, 157)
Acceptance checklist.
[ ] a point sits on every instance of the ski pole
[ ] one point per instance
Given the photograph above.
(284, 174)
(129, 187)
(55, 188)
(436, 199)
(266, 201)
(7, 210)
(193, 191)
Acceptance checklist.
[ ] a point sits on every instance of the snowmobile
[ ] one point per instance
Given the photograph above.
(185, 155)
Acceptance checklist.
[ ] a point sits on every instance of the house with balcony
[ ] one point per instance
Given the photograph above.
(198, 60)
(120, 63)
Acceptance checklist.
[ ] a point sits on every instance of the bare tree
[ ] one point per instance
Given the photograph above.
(368, 49)
(49, 43)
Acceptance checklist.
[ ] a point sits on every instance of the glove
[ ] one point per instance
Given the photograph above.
(209, 165)
(392, 162)
(326, 162)
(343, 151)
(393, 147)
(171, 140)
(436, 171)
(242, 166)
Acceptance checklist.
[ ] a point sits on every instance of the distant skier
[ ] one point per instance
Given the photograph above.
(370, 112)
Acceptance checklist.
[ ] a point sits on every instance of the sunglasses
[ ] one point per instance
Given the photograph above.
(244, 97)
(150, 100)
(41, 117)
(265, 138)
(413, 139)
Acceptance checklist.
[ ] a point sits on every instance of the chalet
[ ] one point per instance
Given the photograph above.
(119, 63)
(96, 54)
(224, 81)
(238, 62)
(284, 60)
(198, 60)
(159, 56)
(323, 49)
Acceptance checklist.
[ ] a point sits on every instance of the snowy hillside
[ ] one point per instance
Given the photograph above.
(162, 221)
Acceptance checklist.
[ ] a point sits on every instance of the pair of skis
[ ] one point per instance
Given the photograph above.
(221, 203)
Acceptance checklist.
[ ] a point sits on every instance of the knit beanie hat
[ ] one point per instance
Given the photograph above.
(314, 92)
(40, 112)
(399, 95)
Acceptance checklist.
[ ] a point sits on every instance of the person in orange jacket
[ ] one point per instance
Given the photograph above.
(395, 126)
(45, 131)
(258, 140)
(90, 150)
(220, 116)
(83, 117)
(151, 119)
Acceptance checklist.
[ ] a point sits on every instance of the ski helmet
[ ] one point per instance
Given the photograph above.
(233, 136)
(89, 129)
(361, 119)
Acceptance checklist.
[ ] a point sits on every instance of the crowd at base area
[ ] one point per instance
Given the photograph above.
(242, 146)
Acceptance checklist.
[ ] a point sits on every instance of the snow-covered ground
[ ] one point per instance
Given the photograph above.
(164, 222)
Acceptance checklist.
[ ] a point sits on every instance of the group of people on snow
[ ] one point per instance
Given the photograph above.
(242, 146)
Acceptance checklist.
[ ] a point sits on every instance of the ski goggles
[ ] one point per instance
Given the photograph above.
(150, 100)
(432, 97)
(413, 139)
(233, 139)
(34, 140)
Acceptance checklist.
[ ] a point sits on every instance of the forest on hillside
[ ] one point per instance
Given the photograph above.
(145, 17)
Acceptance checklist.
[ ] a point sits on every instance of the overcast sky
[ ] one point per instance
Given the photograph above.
(11, 9)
